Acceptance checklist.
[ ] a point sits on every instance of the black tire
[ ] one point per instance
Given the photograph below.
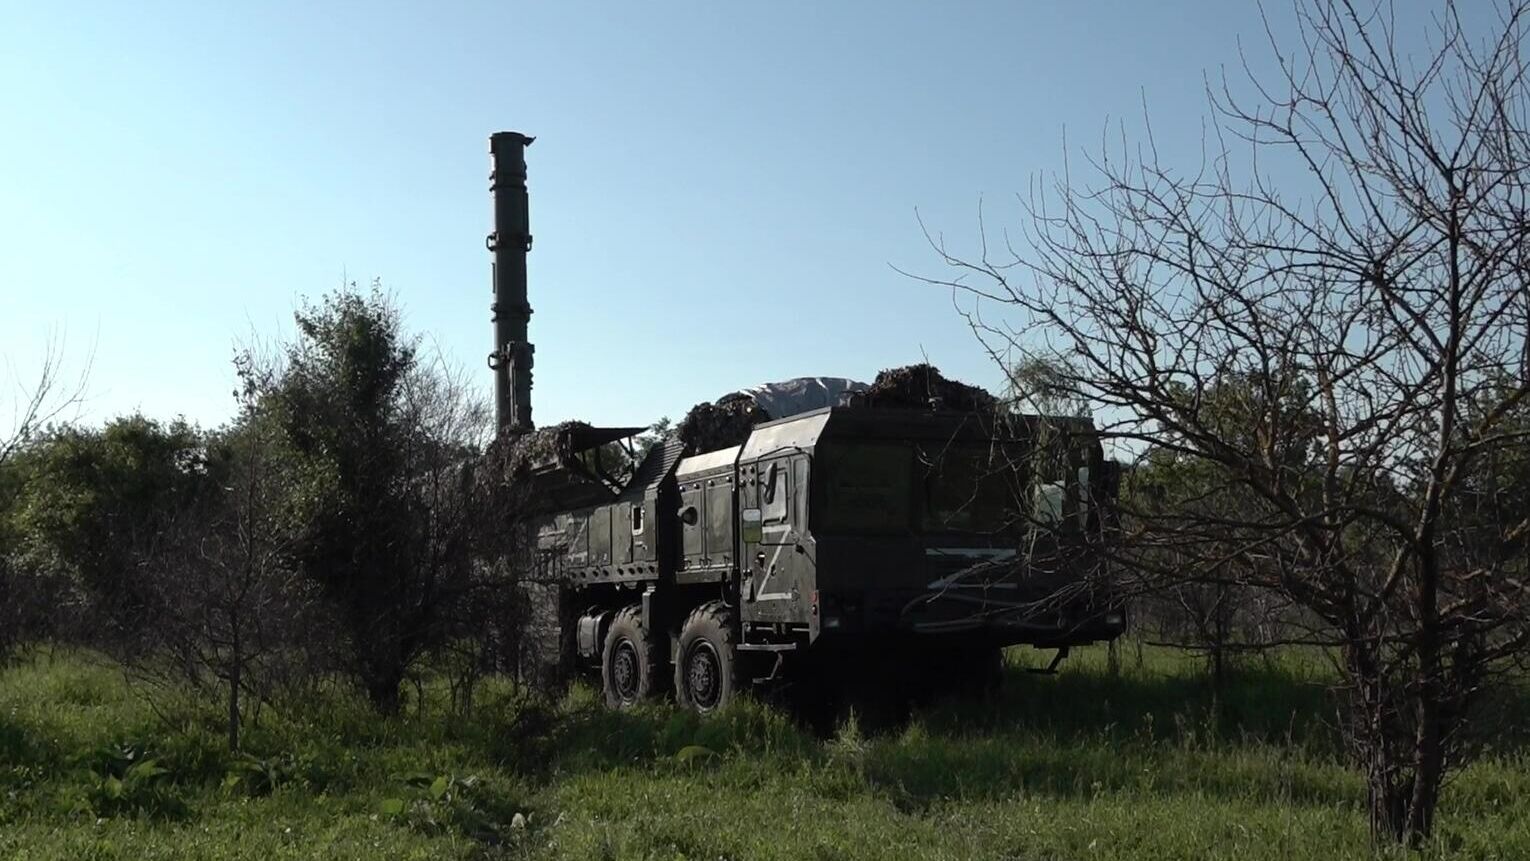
(706, 663)
(966, 673)
(984, 673)
(631, 663)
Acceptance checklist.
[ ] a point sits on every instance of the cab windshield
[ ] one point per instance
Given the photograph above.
(968, 488)
(865, 487)
(877, 487)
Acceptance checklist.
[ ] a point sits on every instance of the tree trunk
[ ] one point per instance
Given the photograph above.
(1404, 774)
(1220, 634)
(1428, 769)
(233, 710)
(1374, 736)
(382, 686)
(1429, 737)
(1387, 794)
(235, 679)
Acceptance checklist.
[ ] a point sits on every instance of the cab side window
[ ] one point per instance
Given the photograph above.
(1059, 492)
(774, 494)
(800, 482)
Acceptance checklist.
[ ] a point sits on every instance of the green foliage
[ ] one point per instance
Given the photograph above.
(95, 501)
(366, 457)
(129, 784)
(1236, 418)
(655, 434)
(1044, 386)
(337, 403)
(445, 804)
(31, 601)
(13, 478)
(264, 775)
(1492, 508)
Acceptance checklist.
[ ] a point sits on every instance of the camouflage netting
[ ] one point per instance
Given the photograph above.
(546, 649)
(510, 457)
(509, 493)
(727, 422)
(923, 387)
(510, 480)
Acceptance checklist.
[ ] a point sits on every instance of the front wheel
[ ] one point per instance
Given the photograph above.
(706, 665)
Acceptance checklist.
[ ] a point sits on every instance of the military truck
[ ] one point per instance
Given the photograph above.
(846, 536)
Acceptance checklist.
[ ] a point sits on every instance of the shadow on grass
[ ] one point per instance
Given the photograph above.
(592, 737)
(1268, 734)
(916, 773)
(1168, 700)
(1269, 705)
(23, 745)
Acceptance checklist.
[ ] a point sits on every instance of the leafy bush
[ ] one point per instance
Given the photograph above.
(442, 804)
(127, 782)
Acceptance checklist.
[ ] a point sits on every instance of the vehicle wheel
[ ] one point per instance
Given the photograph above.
(706, 667)
(985, 673)
(630, 669)
(969, 673)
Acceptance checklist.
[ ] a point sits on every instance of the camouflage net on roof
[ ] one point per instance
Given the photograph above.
(725, 423)
(923, 387)
(510, 481)
(510, 457)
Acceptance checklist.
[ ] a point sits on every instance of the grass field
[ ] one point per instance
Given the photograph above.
(1081, 765)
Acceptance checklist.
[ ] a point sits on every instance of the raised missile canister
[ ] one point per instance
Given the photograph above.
(510, 242)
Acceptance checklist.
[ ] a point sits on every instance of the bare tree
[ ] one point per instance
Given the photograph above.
(43, 399)
(1376, 307)
(217, 603)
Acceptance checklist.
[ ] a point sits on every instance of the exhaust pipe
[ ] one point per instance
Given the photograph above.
(509, 243)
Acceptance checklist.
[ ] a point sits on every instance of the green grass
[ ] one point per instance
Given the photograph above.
(1081, 765)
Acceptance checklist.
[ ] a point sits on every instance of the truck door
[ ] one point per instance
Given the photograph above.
(777, 588)
(692, 525)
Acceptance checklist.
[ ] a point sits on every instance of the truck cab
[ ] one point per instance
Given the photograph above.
(879, 523)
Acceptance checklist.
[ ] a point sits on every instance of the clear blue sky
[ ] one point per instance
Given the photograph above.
(717, 189)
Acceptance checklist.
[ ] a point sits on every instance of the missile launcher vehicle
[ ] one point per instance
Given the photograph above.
(915, 521)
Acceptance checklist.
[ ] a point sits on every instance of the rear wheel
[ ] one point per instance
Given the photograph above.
(964, 672)
(981, 674)
(706, 666)
(630, 670)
